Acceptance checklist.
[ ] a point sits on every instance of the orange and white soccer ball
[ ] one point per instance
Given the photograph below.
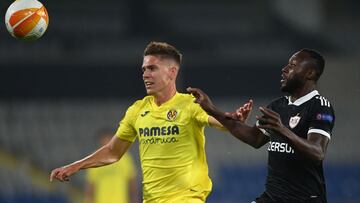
(26, 19)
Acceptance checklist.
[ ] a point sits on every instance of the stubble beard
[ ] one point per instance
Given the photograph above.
(293, 84)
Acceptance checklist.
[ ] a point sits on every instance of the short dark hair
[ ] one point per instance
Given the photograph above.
(318, 61)
(164, 50)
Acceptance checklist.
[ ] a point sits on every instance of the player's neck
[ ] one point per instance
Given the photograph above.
(166, 95)
(304, 90)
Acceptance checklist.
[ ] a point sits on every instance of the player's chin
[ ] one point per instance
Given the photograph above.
(149, 91)
(284, 87)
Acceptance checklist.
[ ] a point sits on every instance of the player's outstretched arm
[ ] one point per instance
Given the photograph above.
(248, 134)
(107, 154)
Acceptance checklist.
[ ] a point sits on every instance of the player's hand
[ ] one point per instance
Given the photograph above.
(242, 113)
(202, 99)
(63, 173)
(270, 120)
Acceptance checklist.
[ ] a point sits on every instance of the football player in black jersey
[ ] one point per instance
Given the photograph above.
(297, 127)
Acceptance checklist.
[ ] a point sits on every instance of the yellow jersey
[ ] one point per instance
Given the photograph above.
(171, 147)
(111, 182)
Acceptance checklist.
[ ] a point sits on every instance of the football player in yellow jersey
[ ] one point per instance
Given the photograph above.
(170, 129)
(115, 183)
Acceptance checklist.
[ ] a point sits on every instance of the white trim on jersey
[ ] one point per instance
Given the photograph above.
(303, 99)
(323, 101)
(262, 130)
(319, 131)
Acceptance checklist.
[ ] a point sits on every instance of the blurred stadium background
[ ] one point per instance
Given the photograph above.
(55, 93)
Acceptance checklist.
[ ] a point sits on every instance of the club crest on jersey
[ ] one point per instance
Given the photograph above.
(172, 114)
(294, 121)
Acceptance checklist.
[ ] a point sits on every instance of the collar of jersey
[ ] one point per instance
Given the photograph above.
(154, 105)
(303, 99)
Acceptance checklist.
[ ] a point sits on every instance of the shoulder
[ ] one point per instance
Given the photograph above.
(185, 97)
(187, 100)
(184, 100)
(138, 105)
(320, 105)
(322, 115)
(321, 101)
(280, 101)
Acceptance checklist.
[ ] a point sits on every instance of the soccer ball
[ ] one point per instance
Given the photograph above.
(26, 19)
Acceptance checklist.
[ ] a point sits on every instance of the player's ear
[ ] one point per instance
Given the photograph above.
(173, 72)
(311, 73)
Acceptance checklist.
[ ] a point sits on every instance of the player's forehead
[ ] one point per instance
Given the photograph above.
(157, 60)
(298, 57)
(151, 60)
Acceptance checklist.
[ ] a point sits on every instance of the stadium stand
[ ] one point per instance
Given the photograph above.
(84, 72)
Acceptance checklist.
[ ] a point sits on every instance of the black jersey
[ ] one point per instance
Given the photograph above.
(292, 177)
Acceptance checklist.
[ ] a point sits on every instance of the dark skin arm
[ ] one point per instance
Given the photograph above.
(314, 147)
(248, 134)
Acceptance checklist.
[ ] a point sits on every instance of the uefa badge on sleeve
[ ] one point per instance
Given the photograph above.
(294, 121)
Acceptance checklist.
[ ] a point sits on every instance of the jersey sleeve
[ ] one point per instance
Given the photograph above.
(126, 130)
(322, 119)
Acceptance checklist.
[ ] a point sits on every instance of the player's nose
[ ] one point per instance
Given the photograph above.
(285, 69)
